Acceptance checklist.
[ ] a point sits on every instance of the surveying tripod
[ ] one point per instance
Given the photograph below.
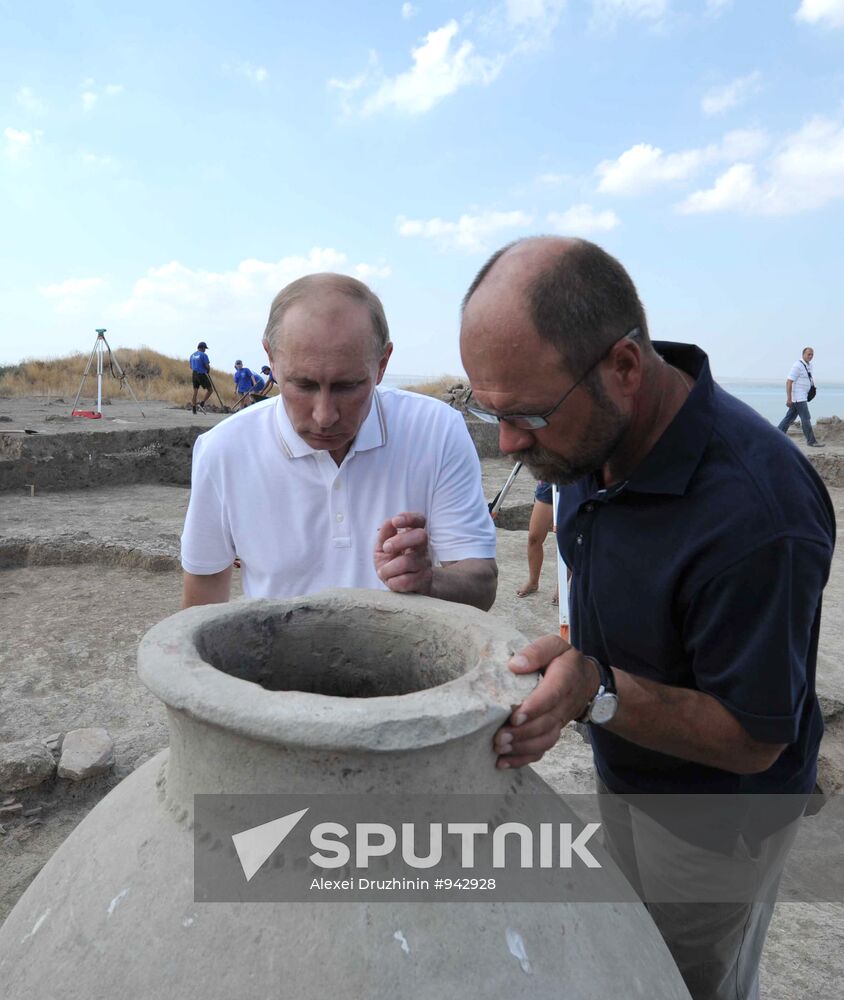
(101, 347)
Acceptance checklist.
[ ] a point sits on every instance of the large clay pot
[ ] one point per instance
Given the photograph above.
(344, 691)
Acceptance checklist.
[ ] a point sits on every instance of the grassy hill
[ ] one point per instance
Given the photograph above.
(152, 376)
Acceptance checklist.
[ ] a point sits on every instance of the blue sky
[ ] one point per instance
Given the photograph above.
(165, 168)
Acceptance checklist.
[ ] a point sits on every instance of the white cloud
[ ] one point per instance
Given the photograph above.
(469, 233)
(542, 13)
(18, 142)
(644, 167)
(257, 74)
(26, 99)
(740, 144)
(174, 296)
(439, 70)
(551, 179)
(98, 161)
(820, 11)
(805, 173)
(408, 11)
(611, 11)
(90, 96)
(721, 99)
(73, 296)
(733, 189)
(716, 7)
(582, 219)
(526, 24)
(442, 63)
(369, 272)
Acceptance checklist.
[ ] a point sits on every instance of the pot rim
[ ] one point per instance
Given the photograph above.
(170, 665)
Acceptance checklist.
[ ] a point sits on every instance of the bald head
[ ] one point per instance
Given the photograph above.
(577, 297)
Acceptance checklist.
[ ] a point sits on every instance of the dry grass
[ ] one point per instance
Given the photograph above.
(436, 387)
(151, 375)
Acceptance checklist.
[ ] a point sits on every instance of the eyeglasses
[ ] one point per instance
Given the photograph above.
(535, 421)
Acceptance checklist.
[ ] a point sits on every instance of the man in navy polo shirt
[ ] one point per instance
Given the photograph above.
(699, 542)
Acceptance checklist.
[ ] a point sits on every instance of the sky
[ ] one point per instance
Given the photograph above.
(166, 168)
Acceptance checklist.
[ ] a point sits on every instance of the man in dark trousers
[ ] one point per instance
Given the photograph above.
(799, 391)
(699, 542)
(200, 368)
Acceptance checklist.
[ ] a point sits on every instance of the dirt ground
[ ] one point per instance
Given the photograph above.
(52, 415)
(83, 574)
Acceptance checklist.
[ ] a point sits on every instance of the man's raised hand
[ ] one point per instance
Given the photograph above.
(402, 558)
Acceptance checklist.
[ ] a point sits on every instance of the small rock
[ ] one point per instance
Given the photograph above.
(11, 810)
(35, 811)
(85, 753)
(23, 764)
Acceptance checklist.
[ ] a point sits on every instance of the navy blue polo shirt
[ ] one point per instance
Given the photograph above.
(704, 570)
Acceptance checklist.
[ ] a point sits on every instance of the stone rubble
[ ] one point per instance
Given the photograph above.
(457, 395)
(86, 753)
(23, 764)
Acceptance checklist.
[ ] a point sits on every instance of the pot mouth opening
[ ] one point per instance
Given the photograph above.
(340, 652)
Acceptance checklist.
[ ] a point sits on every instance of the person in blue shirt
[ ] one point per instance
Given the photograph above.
(200, 368)
(699, 542)
(263, 384)
(244, 383)
(267, 382)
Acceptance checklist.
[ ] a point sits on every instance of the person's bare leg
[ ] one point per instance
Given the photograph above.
(541, 520)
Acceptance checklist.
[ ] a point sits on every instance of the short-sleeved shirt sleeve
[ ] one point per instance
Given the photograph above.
(207, 543)
(459, 523)
(748, 632)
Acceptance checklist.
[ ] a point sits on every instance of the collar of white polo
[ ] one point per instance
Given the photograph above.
(372, 432)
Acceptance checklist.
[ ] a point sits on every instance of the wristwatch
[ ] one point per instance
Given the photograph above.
(602, 708)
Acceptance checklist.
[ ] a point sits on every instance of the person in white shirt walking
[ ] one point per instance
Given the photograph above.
(800, 389)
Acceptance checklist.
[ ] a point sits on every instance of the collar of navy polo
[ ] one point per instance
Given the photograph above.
(670, 464)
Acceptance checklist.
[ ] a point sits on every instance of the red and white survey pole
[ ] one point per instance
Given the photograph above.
(562, 575)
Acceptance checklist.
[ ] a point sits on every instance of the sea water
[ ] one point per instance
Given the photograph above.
(767, 398)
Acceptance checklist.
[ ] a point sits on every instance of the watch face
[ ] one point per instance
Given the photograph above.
(604, 708)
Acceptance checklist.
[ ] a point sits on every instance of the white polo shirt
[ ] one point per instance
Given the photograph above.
(300, 523)
(800, 378)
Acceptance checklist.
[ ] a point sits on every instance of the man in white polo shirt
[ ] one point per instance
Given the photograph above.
(799, 389)
(360, 487)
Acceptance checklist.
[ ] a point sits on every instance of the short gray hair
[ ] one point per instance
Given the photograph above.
(314, 284)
